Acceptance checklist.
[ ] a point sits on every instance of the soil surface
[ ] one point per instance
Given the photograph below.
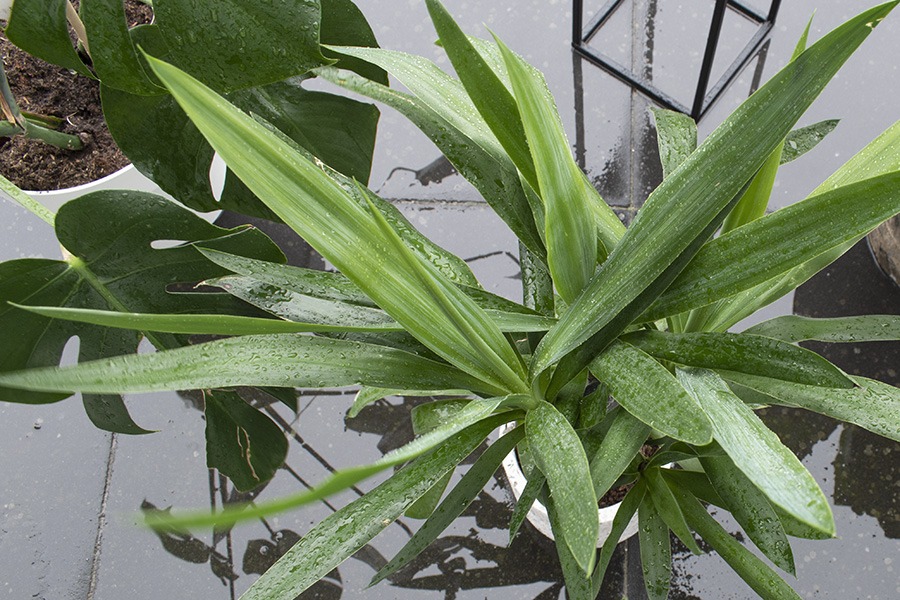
(46, 89)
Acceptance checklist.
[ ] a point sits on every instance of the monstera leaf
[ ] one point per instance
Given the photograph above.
(111, 265)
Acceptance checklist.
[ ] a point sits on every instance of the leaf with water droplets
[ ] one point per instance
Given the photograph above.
(751, 509)
(762, 579)
(334, 539)
(757, 451)
(859, 328)
(773, 245)
(676, 135)
(561, 458)
(752, 354)
(802, 140)
(569, 228)
(656, 550)
(648, 391)
(872, 404)
(280, 360)
(279, 40)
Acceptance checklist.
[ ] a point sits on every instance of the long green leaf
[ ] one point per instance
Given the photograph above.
(439, 107)
(633, 499)
(649, 392)
(757, 451)
(309, 282)
(491, 97)
(763, 580)
(560, 456)
(861, 328)
(750, 508)
(275, 360)
(578, 582)
(568, 226)
(872, 405)
(802, 140)
(330, 542)
(197, 324)
(753, 354)
(455, 503)
(656, 550)
(352, 236)
(695, 194)
(620, 445)
(300, 308)
(878, 157)
(667, 507)
(676, 135)
(775, 244)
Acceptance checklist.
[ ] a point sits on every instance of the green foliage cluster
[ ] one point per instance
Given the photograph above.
(258, 54)
(643, 311)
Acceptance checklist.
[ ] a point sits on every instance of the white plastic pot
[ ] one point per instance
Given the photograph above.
(538, 516)
(5, 7)
(126, 178)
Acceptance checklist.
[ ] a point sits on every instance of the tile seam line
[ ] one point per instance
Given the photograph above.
(444, 203)
(101, 519)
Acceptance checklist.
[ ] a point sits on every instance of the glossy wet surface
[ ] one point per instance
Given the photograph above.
(69, 493)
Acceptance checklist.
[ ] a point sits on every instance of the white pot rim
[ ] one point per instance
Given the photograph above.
(126, 178)
(538, 516)
(84, 188)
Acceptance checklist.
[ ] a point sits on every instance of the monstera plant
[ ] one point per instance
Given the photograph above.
(259, 54)
(622, 338)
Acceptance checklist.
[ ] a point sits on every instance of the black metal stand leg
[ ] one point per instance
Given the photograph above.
(709, 56)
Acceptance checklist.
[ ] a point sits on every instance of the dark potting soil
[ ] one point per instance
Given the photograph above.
(616, 495)
(46, 89)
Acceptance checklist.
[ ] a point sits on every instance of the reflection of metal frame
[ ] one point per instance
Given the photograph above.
(582, 35)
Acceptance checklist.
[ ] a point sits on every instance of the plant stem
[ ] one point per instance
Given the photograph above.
(8, 129)
(44, 120)
(56, 138)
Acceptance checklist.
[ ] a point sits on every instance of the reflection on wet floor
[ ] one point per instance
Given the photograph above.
(83, 543)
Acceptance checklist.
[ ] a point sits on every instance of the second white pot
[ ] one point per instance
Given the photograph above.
(128, 178)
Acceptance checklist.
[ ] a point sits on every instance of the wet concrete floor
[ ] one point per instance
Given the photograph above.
(69, 493)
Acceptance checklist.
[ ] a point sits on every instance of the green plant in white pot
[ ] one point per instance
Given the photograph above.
(639, 315)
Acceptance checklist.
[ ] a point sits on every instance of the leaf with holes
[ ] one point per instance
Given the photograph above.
(112, 267)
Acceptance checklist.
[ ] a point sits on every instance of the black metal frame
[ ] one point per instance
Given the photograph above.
(703, 100)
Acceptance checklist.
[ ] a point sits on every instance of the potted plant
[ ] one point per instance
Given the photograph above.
(166, 152)
(639, 315)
